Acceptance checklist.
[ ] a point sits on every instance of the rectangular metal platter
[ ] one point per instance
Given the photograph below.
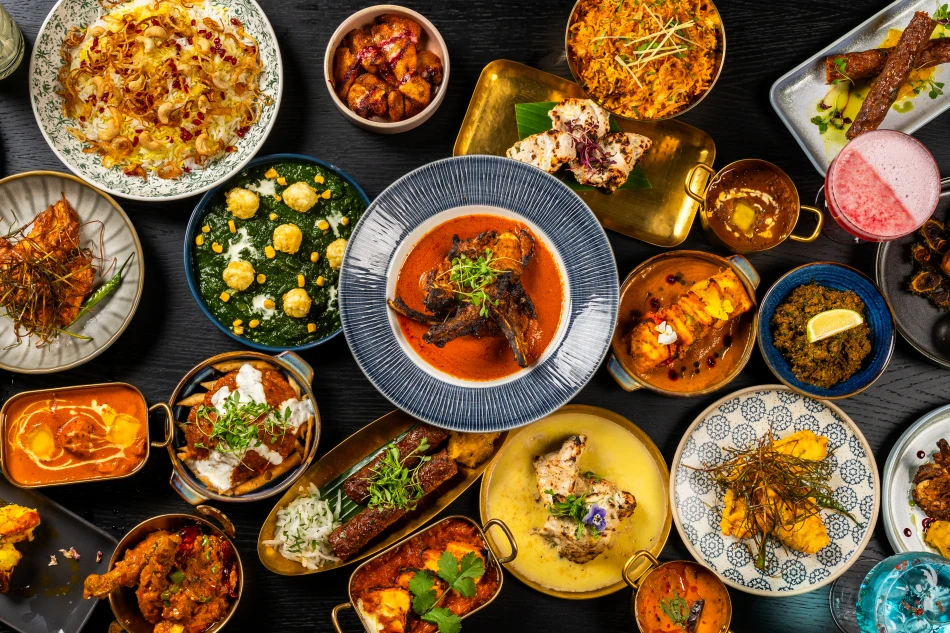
(44, 599)
(661, 215)
(341, 459)
(796, 94)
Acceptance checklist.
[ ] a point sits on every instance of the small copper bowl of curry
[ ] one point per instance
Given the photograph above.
(750, 205)
(686, 324)
(379, 589)
(53, 437)
(206, 562)
(678, 595)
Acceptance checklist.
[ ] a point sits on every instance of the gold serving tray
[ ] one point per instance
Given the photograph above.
(367, 441)
(661, 215)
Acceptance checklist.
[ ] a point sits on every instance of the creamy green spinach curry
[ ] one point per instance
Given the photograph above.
(269, 248)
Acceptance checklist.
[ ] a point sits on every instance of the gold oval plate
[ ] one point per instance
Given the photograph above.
(653, 504)
(364, 444)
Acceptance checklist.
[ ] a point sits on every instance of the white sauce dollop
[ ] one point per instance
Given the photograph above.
(266, 187)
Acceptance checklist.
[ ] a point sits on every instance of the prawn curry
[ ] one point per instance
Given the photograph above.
(69, 435)
(479, 297)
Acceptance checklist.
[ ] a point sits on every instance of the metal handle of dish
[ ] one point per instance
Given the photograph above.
(745, 267)
(625, 573)
(620, 374)
(334, 615)
(169, 424)
(513, 546)
(700, 198)
(220, 517)
(818, 226)
(301, 366)
(185, 491)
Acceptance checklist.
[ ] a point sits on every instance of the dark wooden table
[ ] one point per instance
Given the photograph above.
(169, 334)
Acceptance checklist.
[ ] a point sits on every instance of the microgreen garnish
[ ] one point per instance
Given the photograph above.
(840, 64)
(472, 277)
(835, 118)
(238, 427)
(589, 517)
(942, 14)
(460, 576)
(676, 609)
(936, 87)
(394, 484)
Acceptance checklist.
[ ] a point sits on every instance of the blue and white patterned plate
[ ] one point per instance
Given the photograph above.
(48, 106)
(465, 185)
(737, 421)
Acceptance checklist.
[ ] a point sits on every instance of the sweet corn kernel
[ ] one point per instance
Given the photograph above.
(277, 197)
(224, 297)
(261, 278)
(301, 281)
(323, 225)
(200, 240)
(206, 229)
(217, 248)
(270, 173)
(344, 221)
(254, 323)
(269, 252)
(282, 181)
(318, 179)
(237, 322)
(239, 330)
(320, 281)
(269, 304)
(231, 226)
(326, 194)
(272, 216)
(311, 327)
(314, 257)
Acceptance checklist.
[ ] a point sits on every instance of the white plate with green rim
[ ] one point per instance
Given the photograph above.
(48, 106)
(22, 198)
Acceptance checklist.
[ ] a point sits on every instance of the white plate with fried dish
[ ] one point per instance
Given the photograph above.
(144, 132)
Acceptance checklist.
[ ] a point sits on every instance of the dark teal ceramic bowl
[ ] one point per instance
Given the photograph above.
(877, 314)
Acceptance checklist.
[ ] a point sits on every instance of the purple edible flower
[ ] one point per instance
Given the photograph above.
(596, 517)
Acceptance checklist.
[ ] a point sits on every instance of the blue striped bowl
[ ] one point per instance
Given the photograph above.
(877, 313)
(430, 196)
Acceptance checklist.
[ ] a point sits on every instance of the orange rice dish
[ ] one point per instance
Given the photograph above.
(645, 60)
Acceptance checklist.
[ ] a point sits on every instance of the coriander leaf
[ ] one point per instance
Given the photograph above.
(447, 621)
(448, 568)
(676, 609)
(421, 588)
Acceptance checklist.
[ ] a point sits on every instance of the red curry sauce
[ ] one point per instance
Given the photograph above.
(74, 434)
(380, 588)
(490, 357)
(677, 586)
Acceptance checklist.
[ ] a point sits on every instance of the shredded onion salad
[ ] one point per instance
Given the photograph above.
(303, 528)
(161, 86)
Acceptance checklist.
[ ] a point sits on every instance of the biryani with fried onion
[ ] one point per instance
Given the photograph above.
(161, 86)
(645, 59)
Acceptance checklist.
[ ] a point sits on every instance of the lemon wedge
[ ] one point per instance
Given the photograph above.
(831, 322)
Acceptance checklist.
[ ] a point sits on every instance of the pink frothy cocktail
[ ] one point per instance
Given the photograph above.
(883, 185)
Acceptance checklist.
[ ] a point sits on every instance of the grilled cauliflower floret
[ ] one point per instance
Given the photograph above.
(239, 275)
(300, 197)
(297, 303)
(242, 202)
(335, 253)
(287, 238)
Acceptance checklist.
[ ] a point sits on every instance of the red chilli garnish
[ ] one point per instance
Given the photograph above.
(228, 563)
(188, 534)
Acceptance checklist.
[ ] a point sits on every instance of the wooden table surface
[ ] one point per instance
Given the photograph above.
(169, 335)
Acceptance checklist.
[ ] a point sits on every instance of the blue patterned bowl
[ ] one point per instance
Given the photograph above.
(737, 421)
(490, 185)
(877, 314)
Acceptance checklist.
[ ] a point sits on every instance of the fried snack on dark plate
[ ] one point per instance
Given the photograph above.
(932, 484)
(900, 62)
(352, 536)
(16, 525)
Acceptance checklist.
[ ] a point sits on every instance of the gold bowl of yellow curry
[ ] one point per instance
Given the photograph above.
(646, 60)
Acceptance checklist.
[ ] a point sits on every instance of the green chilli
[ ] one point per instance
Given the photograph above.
(103, 291)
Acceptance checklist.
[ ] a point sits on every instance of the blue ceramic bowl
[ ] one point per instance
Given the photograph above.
(877, 313)
(193, 228)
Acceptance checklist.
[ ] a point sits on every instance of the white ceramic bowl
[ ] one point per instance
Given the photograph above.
(431, 40)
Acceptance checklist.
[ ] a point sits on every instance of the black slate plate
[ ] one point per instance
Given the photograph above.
(45, 599)
(920, 322)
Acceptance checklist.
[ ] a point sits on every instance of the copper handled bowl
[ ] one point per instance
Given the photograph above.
(490, 560)
(123, 600)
